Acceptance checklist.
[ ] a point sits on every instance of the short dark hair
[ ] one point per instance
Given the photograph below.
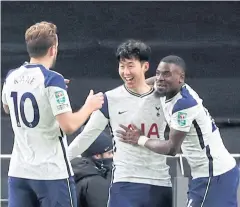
(39, 38)
(133, 49)
(175, 60)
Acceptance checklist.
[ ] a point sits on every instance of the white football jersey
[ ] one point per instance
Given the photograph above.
(203, 146)
(131, 163)
(35, 95)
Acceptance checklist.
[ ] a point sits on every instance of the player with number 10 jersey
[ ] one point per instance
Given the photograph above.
(36, 98)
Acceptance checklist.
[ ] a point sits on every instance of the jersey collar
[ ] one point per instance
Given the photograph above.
(137, 94)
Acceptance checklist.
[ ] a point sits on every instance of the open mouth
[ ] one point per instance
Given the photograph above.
(129, 79)
(161, 86)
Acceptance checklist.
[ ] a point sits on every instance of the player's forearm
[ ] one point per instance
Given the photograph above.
(96, 124)
(161, 146)
(82, 142)
(77, 119)
(151, 81)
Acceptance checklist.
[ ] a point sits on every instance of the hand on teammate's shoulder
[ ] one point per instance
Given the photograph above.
(94, 101)
(67, 81)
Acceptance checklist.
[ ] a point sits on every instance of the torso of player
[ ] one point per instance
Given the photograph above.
(202, 146)
(136, 163)
(39, 145)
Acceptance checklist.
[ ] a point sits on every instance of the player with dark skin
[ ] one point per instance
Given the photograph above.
(202, 137)
(170, 78)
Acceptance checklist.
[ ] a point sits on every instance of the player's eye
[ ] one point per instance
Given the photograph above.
(166, 73)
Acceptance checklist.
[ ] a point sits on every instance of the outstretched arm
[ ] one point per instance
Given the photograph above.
(96, 124)
(151, 81)
(166, 147)
(69, 122)
(181, 122)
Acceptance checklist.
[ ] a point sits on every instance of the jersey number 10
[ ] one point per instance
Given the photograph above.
(20, 108)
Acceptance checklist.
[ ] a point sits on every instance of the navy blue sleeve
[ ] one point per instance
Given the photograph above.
(54, 79)
(187, 101)
(104, 108)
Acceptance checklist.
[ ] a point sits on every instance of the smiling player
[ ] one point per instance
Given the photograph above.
(214, 171)
(140, 177)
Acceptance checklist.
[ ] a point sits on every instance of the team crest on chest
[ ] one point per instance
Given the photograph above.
(182, 118)
(157, 108)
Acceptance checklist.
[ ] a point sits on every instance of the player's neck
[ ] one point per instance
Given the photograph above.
(41, 61)
(141, 89)
(174, 93)
(171, 95)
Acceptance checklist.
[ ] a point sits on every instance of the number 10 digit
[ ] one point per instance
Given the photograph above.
(36, 117)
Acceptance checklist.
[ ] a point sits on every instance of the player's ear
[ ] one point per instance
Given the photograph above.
(52, 50)
(145, 66)
(182, 77)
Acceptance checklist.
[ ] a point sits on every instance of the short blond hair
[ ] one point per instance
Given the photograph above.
(40, 37)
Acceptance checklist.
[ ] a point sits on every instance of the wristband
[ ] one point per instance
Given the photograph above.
(142, 140)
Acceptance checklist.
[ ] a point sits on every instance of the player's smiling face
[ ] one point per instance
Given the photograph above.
(169, 78)
(132, 72)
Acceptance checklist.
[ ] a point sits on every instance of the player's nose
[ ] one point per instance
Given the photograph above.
(126, 70)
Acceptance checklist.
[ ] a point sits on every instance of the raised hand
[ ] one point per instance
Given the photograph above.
(67, 81)
(94, 101)
(129, 135)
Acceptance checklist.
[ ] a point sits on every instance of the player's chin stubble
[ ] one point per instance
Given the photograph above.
(159, 94)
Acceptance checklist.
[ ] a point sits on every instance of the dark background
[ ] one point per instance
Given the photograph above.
(205, 34)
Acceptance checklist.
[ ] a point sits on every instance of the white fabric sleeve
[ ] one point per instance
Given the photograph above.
(96, 124)
(182, 120)
(59, 100)
(57, 94)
